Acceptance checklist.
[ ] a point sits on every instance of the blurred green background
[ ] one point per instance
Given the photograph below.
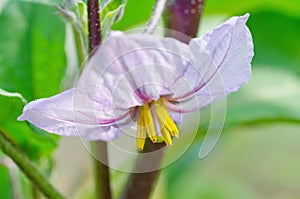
(257, 155)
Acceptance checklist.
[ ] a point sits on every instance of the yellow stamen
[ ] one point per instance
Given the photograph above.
(149, 123)
(146, 124)
(164, 118)
(167, 137)
(140, 134)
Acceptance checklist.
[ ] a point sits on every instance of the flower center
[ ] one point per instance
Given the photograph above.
(150, 121)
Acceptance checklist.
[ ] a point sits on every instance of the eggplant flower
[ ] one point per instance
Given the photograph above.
(147, 82)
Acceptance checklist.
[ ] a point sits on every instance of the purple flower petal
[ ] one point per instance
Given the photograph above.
(223, 62)
(73, 113)
(130, 70)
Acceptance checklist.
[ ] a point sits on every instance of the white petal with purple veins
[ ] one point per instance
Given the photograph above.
(224, 66)
(70, 113)
(132, 69)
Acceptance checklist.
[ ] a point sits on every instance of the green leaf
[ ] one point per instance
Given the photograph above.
(233, 7)
(276, 40)
(82, 9)
(110, 12)
(33, 58)
(110, 6)
(34, 144)
(32, 63)
(135, 13)
(110, 18)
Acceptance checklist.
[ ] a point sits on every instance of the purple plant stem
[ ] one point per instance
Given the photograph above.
(94, 24)
(140, 185)
(102, 185)
(183, 16)
(103, 190)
